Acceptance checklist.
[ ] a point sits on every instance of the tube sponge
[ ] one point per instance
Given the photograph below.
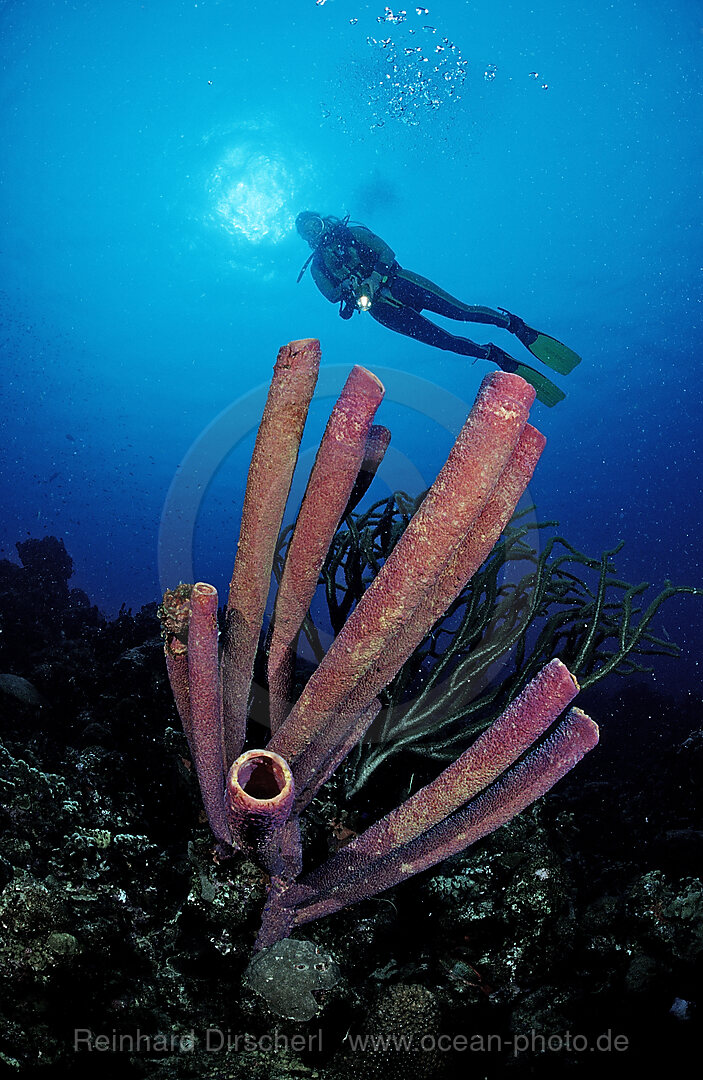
(259, 799)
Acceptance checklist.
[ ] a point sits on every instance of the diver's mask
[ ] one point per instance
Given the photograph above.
(311, 227)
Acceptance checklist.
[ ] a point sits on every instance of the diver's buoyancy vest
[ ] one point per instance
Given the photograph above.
(343, 256)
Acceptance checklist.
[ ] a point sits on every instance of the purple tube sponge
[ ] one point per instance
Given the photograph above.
(189, 619)
(251, 800)
(259, 798)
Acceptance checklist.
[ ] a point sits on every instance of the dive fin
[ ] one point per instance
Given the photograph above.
(547, 392)
(551, 352)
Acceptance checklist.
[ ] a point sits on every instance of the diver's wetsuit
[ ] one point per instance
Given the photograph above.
(398, 305)
(349, 255)
(356, 269)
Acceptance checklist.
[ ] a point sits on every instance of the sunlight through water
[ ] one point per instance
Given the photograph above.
(250, 194)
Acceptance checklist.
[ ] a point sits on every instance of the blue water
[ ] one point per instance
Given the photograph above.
(154, 158)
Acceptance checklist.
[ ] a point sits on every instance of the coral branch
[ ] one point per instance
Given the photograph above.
(177, 670)
(457, 497)
(460, 567)
(528, 717)
(520, 786)
(189, 625)
(268, 484)
(205, 706)
(332, 479)
(321, 759)
(377, 442)
(174, 613)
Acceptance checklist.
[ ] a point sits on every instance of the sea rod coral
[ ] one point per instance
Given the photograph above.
(528, 603)
(254, 799)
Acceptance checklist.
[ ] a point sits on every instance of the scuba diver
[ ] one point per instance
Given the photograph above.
(356, 269)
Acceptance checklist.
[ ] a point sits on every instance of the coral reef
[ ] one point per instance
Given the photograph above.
(125, 943)
(584, 914)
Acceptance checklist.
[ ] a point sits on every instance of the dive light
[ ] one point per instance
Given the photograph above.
(364, 296)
